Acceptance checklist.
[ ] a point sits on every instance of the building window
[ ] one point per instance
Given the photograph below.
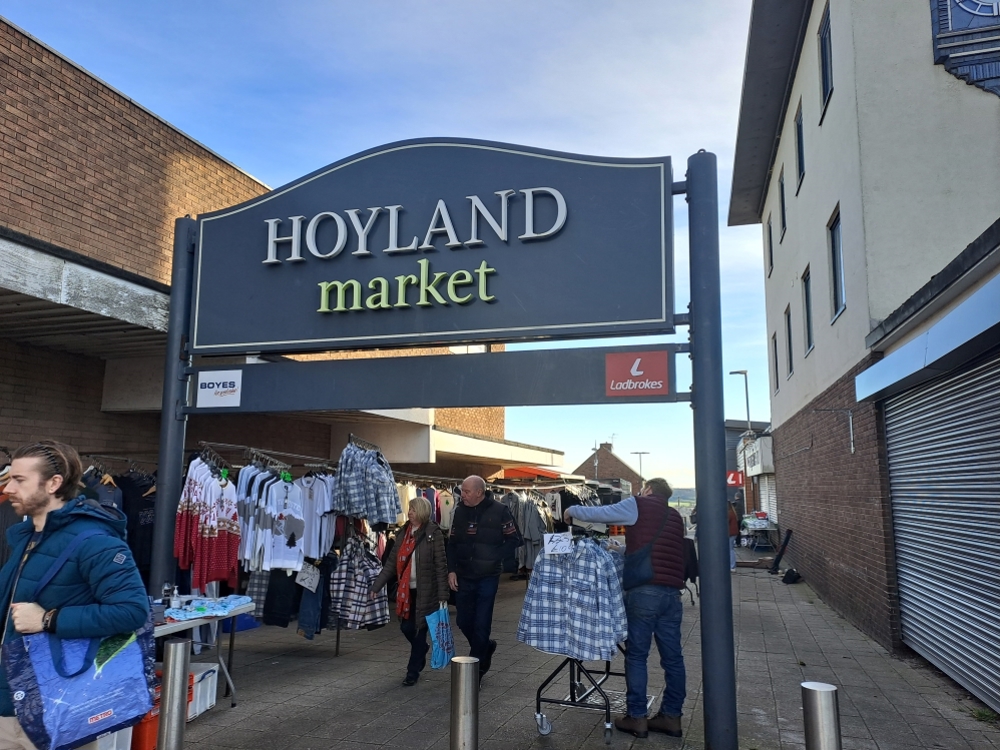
(770, 247)
(789, 362)
(781, 200)
(800, 148)
(825, 58)
(774, 359)
(807, 312)
(837, 267)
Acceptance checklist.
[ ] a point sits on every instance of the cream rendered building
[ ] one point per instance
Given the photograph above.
(873, 168)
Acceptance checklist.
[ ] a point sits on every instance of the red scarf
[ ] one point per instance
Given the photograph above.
(403, 573)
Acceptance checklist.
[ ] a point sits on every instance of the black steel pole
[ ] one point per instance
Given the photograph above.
(172, 421)
(718, 657)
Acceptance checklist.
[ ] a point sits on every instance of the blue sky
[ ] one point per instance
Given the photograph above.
(281, 89)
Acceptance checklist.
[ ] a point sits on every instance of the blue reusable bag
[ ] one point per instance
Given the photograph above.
(439, 625)
(69, 691)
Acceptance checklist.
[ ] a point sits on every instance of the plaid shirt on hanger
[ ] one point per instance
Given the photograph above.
(350, 583)
(574, 604)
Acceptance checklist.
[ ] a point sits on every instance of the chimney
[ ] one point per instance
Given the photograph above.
(607, 447)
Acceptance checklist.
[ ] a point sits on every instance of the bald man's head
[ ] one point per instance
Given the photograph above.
(473, 490)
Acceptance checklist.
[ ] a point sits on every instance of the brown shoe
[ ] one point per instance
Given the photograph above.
(669, 725)
(633, 725)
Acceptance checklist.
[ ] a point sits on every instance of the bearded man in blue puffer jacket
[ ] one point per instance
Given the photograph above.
(96, 594)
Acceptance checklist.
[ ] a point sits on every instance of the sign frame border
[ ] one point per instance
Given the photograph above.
(664, 324)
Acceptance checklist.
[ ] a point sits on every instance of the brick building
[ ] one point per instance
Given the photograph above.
(605, 467)
(880, 247)
(90, 186)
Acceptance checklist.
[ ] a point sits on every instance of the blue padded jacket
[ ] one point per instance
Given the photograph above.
(98, 591)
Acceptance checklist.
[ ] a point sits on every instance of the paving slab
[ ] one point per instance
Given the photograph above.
(298, 695)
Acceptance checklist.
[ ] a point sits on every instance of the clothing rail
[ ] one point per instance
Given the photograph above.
(212, 456)
(362, 443)
(410, 476)
(98, 459)
(262, 451)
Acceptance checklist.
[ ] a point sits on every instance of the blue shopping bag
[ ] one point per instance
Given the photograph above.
(442, 641)
(69, 691)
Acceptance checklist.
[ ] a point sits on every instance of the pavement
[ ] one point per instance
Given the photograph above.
(295, 694)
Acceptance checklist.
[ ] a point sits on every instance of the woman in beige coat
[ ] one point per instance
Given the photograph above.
(419, 564)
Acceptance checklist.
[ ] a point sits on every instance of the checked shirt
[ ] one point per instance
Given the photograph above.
(574, 604)
(365, 486)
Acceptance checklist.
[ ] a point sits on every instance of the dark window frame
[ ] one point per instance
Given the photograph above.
(838, 286)
(807, 318)
(783, 210)
(800, 149)
(774, 356)
(770, 246)
(825, 62)
(789, 348)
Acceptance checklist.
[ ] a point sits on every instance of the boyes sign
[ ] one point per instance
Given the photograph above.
(435, 241)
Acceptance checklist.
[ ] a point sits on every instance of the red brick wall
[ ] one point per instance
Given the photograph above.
(84, 168)
(487, 421)
(264, 432)
(837, 505)
(49, 394)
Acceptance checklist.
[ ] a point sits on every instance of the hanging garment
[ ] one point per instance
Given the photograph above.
(284, 501)
(446, 500)
(574, 604)
(139, 506)
(314, 493)
(207, 527)
(365, 486)
(104, 488)
(350, 584)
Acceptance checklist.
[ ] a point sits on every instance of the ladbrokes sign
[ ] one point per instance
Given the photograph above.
(433, 242)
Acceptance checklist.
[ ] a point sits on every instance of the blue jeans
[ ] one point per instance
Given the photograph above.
(654, 611)
(474, 604)
(732, 553)
(314, 607)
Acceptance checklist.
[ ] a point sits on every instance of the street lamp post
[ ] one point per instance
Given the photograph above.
(640, 454)
(743, 442)
(746, 392)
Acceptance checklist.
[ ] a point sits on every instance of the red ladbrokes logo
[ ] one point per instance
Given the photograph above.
(636, 374)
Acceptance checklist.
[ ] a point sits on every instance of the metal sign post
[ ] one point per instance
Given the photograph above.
(718, 657)
(173, 420)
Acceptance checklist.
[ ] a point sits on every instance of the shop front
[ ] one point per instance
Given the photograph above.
(939, 391)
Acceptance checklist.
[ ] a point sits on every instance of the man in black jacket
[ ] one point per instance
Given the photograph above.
(483, 533)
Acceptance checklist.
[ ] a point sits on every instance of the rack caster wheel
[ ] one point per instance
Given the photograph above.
(607, 735)
(544, 725)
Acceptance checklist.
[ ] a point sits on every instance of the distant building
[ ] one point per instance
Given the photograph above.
(605, 467)
(758, 491)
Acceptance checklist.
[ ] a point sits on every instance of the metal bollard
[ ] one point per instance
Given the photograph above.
(174, 694)
(821, 714)
(464, 703)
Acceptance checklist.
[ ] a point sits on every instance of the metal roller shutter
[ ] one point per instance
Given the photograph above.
(767, 496)
(943, 445)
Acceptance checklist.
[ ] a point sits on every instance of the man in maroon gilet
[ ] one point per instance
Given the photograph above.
(654, 607)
